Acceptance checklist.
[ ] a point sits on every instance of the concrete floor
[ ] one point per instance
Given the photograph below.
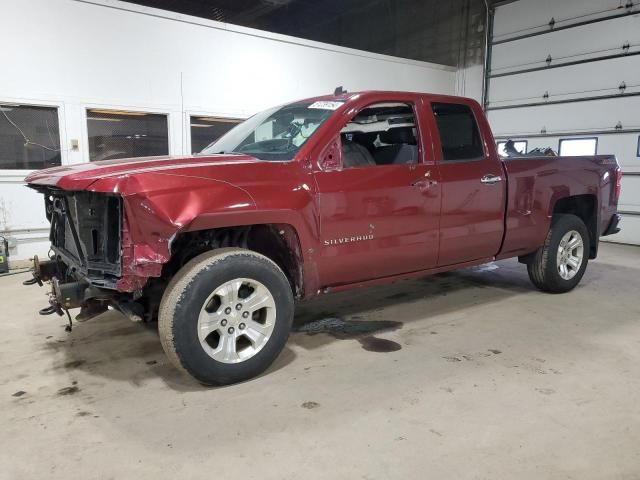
(483, 377)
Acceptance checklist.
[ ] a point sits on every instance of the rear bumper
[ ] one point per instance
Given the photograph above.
(613, 225)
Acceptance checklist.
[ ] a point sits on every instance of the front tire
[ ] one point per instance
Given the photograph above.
(226, 315)
(558, 266)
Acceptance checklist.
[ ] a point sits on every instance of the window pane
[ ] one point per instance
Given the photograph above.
(205, 130)
(381, 134)
(29, 137)
(118, 134)
(519, 145)
(458, 131)
(572, 147)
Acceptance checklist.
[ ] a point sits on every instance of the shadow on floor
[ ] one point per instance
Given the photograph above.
(110, 346)
(433, 296)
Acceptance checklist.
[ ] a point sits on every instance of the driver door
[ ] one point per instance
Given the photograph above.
(379, 205)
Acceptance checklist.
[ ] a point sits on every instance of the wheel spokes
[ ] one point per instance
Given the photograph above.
(228, 293)
(206, 328)
(570, 254)
(260, 298)
(256, 333)
(573, 262)
(226, 350)
(574, 243)
(563, 271)
(208, 323)
(237, 320)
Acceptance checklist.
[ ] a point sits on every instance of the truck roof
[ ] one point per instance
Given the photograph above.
(377, 93)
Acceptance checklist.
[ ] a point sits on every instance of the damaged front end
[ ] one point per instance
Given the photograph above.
(118, 228)
(85, 260)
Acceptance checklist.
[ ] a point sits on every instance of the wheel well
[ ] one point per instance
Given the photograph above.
(278, 242)
(584, 207)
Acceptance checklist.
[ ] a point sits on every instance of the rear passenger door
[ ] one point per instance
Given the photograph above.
(473, 184)
(379, 208)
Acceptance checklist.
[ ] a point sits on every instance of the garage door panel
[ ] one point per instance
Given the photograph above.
(583, 32)
(579, 43)
(587, 79)
(591, 115)
(625, 147)
(630, 231)
(534, 16)
(630, 193)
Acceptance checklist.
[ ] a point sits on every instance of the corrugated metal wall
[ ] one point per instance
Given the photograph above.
(571, 69)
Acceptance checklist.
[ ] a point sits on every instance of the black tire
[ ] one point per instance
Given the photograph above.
(543, 266)
(185, 297)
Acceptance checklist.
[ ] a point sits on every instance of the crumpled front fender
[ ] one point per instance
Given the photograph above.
(157, 206)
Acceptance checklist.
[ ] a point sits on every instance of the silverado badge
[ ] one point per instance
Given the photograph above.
(354, 238)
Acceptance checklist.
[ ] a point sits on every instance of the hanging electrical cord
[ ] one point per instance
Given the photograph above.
(26, 139)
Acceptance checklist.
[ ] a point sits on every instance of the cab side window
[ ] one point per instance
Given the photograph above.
(459, 134)
(380, 134)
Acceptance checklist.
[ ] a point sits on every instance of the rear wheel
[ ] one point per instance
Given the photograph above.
(226, 316)
(558, 266)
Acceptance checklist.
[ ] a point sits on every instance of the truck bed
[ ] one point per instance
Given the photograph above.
(540, 181)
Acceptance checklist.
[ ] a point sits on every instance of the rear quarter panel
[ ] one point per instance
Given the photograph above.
(536, 184)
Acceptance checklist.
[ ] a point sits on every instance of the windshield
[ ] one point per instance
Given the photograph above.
(277, 133)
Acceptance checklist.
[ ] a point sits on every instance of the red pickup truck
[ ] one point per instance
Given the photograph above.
(311, 197)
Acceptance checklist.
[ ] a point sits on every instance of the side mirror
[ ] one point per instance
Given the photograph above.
(331, 157)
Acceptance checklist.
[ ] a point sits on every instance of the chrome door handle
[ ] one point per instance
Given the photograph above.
(424, 183)
(491, 179)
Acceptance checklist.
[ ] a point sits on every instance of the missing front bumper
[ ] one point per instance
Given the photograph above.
(68, 292)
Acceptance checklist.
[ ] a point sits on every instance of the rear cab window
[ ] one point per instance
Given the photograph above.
(459, 134)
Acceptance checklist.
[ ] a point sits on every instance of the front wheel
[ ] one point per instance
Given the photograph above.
(226, 316)
(558, 266)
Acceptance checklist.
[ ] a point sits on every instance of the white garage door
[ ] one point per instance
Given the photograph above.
(562, 70)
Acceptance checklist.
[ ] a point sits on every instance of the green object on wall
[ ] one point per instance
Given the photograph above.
(4, 255)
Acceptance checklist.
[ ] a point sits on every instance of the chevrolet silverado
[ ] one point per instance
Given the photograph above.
(315, 196)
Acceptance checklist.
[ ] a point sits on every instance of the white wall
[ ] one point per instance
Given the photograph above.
(591, 118)
(77, 54)
(469, 82)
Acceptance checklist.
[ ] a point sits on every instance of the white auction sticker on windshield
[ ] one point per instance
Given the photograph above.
(326, 105)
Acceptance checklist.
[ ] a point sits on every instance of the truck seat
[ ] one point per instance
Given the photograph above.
(402, 149)
(355, 155)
